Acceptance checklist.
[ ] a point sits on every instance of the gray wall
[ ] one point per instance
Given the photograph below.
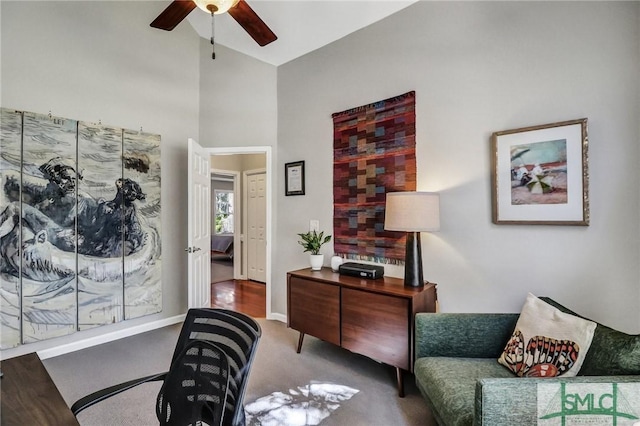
(480, 67)
(238, 162)
(238, 99)
(100, 61)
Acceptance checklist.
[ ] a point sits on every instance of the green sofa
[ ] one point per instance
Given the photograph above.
(457, 372)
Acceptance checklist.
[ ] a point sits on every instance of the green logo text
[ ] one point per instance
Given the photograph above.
(587, 404)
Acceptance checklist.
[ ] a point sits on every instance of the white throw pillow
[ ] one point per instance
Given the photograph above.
(547, 342)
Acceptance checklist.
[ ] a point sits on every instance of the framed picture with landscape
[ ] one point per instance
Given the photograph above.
(540, 174)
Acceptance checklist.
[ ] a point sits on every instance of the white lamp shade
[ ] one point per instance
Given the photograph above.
(221, 5)
(412, 212)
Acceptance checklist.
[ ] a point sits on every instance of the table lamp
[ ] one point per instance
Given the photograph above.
(412, 212)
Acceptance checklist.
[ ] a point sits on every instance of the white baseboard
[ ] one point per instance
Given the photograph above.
(126, 332)
(109, 337)
(277, 317)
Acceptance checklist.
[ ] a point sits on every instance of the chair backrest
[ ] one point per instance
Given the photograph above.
(238, 336)
(195, 388)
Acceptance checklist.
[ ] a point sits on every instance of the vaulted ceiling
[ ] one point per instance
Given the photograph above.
(301, 25)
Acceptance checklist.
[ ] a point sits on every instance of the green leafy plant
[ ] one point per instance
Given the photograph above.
(312, 241)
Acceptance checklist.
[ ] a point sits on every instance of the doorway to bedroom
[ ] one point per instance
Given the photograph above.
(238, 239)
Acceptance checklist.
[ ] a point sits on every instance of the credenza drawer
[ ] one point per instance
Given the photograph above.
(314, 308)
(376, 325)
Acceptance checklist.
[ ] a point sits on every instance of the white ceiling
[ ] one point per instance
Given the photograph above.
(301, 25)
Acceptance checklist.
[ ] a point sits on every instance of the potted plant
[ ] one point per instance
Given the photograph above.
(312, 241)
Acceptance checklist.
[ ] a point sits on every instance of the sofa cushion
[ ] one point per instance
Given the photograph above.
(547, 342)
(612, 352)
(449, 384)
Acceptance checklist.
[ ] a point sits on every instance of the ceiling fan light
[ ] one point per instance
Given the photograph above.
(221, 5)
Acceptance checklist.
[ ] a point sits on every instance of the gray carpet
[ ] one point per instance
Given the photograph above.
(360, 391)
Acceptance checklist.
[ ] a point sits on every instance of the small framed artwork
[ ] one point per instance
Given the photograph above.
(294, 178)
(540, 175)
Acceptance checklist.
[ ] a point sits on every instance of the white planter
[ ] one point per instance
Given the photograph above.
(316, 261)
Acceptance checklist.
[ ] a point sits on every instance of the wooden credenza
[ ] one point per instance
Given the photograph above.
(374, 318)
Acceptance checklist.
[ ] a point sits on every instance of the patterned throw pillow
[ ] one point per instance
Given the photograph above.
(547, 342)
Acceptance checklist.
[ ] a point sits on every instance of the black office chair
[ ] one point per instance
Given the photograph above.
(195, 388)
(208, 375)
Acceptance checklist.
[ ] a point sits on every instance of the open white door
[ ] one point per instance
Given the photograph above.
(199, 249)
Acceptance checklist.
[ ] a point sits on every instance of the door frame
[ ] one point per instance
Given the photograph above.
(267, 151)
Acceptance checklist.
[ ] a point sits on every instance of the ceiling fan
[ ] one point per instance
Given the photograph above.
(238, 9)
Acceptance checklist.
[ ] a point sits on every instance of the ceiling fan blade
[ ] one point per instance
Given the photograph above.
(173, 14)
(252, 24)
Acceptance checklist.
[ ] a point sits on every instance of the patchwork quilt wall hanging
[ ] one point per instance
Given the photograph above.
(374, 150)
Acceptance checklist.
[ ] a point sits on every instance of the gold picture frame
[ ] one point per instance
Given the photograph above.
(540, 175)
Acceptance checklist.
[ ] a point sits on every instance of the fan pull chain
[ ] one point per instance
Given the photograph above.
(213, 47)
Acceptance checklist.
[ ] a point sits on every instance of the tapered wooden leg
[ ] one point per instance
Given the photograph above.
(300, 339)
(400, 382)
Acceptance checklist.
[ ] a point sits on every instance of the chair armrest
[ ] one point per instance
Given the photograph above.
(515, 400)
(463, 335)
(101, 395)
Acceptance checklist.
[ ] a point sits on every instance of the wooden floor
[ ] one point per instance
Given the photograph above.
(248, 297)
